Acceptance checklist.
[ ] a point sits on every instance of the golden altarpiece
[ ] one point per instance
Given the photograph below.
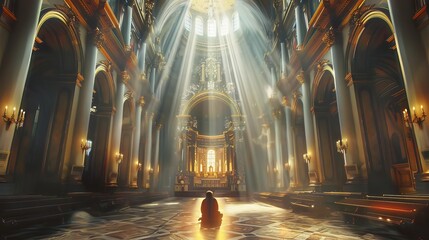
(210, 125)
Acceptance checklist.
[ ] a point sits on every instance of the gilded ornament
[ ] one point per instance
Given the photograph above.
(125, 77)
(321, 64)
(98, 38)
(329, 37)
(141, 101)
(285, 101)
(300, 77)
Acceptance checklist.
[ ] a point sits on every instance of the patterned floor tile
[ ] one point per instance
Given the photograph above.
(177, 218)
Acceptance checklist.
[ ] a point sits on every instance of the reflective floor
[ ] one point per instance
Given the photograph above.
(176, 218)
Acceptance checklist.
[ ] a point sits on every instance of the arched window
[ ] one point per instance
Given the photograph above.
(199, 27)
(211, 160)
(211, 28)
(224, 27)
(188, 22)
(235, 21)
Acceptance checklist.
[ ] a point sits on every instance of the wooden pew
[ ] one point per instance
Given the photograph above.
(410, 216)
(23, 211)
(277, 199)
(306, 201)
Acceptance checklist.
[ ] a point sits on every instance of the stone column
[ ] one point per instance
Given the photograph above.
(203, 72)
(345, 108)
(313, 165)
(155, 168)
(134, 165)
(283, 57)
(148, 151)
(94, 40)
(142, 59)
(112, 173)
(153, 79)
(126, 24)
(273, 78)
(270, 166)
(415, 71)
(15, 65)
(278, 163)
(292, 165)
(301, 29)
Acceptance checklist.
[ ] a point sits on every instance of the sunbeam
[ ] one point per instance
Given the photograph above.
(216, 77)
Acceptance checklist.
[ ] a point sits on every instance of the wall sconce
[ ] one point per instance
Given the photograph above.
(85, 144)
(11, 119)
(119, 157)
(307, 157)
(342, 145)
(139, 166)
(150, 170)
(418, 119)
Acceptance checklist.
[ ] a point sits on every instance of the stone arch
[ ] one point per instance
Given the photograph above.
(375, 73)
(54, 76)
(324, 102)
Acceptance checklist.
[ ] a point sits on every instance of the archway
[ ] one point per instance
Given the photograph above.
(328, 129)
(99, 129)
(126, 144)
(389, 142)
(301, 171)
(47, 100)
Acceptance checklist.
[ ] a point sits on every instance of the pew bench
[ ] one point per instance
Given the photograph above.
(389, 212)
(24, 212)
(307, 202)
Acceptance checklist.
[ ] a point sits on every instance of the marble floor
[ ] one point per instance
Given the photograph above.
(176, 218)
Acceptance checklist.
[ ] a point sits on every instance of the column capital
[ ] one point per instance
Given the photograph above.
(329, 37)
(128, 95)
(125, 76)
(286, 102)
(143, 76)
(300, 77)
(127, 49)
(79, 80)
(296, 95)
(277, 113)
(98, 37)
(349, 79)
(141, 102)
(322, 64)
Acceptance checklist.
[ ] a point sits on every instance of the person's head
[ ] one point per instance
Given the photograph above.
(209, 194)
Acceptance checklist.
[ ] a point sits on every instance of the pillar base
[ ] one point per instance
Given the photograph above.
(422, 183)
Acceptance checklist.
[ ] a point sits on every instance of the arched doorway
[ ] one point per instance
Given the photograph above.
(389, 142)
(47, 100)
(328, 129)
(301, 171)
(99, 129)
(126, 144)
